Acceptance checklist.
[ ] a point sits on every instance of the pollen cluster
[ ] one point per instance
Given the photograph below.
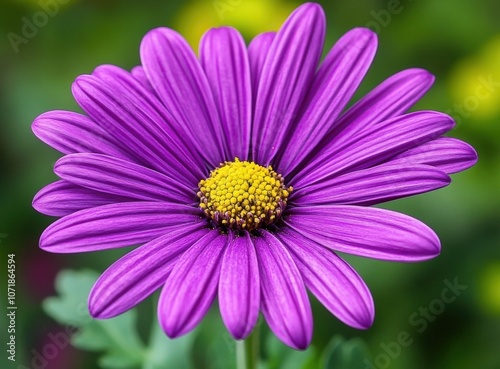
(243, 195)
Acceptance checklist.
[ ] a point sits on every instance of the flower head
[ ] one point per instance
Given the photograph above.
(243, 196)
(240, 173)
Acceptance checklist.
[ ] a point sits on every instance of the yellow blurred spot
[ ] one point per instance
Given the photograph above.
(489, 288)
(474, 83)
(250, 17)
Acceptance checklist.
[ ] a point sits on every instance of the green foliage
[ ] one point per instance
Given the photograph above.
(116, 338)
(280, 356)
(338, 354)
(166, 353)
(343, 354)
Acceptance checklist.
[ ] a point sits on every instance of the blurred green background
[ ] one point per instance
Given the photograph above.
(457, 40)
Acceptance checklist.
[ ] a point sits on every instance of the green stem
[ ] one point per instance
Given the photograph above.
(247, 351)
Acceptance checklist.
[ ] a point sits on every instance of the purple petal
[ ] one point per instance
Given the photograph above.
(285, 304)
(179, 81)
(119, 177)
(70, 132)
(391, 98)
(115, 225)
(287, 74)
(335, 83)
(178, 143)
(140, 75)
(447, 154)
(133, 122)
(257, 54)
(139, 273)
(377, 144)
(224, 58)
(192, 286)
(336, 285)
(239, 286)
(374, 185)
(370, 232)
(62, 198)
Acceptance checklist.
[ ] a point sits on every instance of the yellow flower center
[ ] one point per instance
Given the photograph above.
(243, 195)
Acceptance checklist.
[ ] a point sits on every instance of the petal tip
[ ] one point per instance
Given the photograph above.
(311, 6)
(473, 156)
(301, 343)
(239, 333)
(432, 249)
(159, 35)
(98, 309)
(40, 123)
(366, 321)
(171, 328)
(365, 34)
(80, 84)
(95, 310)
(420, 72)
(309, 12)
(240, 329)
(158, 31)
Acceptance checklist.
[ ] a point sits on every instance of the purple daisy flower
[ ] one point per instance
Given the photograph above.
(240, 173)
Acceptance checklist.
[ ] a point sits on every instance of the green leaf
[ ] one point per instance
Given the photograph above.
(166, 353)
(281, 356)
(342, 354)
(116, 337)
